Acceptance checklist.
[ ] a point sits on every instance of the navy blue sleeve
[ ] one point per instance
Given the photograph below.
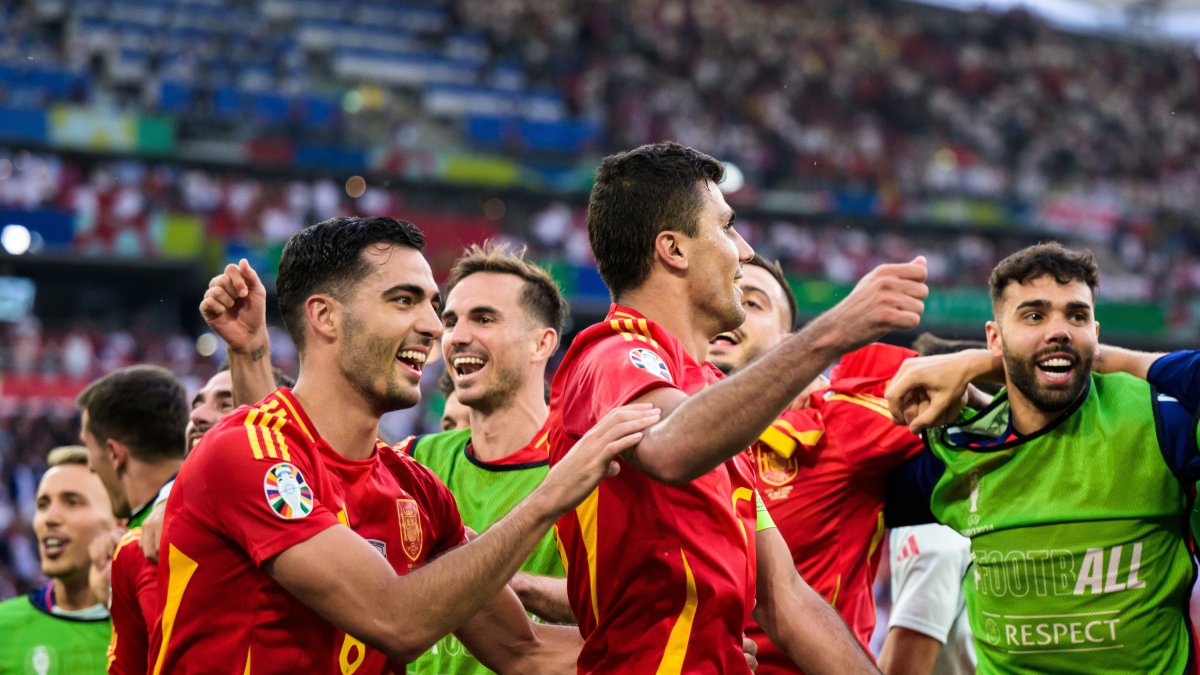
(909, 489)
(1177, 435)
(1178, 375)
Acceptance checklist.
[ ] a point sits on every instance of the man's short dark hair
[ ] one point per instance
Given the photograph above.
(327, 258)
(1046, 259)
(637, 195)
(776, 271)
(541, 297)
(143, 407)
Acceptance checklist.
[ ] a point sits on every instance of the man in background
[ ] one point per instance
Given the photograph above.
(133, 423)
(62, 627)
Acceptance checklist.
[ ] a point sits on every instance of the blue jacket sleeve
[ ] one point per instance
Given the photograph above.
(1178, 375)
(909, 489)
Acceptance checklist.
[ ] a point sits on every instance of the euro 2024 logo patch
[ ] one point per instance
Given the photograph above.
(650, 362)
(287, 492)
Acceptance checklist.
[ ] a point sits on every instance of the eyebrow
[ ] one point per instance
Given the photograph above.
(416, 291)
(732, 216)
(760, 291)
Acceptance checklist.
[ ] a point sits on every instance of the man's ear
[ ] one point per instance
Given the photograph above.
(323, 315)
(995, 339)
(116, 453)
(546, 344)
(671, 249)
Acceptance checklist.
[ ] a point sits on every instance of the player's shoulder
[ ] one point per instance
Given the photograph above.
(410, 474)
(442, 441)
(128, 553)
(270, 430)
(15, 610)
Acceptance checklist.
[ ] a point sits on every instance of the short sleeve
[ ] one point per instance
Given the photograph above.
(928, 563)
(854, 408)
(265, 505)
(609, 374)
(1178, 375)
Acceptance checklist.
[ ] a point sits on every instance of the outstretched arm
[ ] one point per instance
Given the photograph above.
(799, 620)
(235, 307)
(373, 602)
(686, 444)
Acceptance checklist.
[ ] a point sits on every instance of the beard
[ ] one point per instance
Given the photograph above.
(1022, 372)
(494, 392)
(368, 362)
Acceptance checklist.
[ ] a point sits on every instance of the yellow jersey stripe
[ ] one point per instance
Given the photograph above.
(562, 551)
(296, 417)
(869, 402)
(264, 427)
(681, 632)
(742, 493)
(876, 536)
(246, 670)
(783, 444)
(252, 430)
(587, 513)
(837, 589)
(279, 440)
(182, 568)
(269, 405)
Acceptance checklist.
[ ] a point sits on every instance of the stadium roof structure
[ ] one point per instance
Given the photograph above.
(1176, 19)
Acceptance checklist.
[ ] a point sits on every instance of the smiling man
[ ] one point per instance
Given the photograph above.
(1073, 487)
(61, 627)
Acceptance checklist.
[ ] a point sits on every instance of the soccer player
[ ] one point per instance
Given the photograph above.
(502, 318)
(133, 424)
(331, 552)
(821, 465)
(1073, 486)
(61, 627)
(666, 560)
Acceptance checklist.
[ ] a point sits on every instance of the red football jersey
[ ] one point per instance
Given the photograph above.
(661, 578)
(134, 606)
(259, 483)
(821, 473)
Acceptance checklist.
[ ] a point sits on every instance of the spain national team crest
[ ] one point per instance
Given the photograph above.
(650, 362)
(411, 539)
(287, 492)
(776, 470)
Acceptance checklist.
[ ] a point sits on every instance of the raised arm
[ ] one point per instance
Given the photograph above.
(689, 443)
(798, 619)
(929, 391)
(235, 307)
(376, 605)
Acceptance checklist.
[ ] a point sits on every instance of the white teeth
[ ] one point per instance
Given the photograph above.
(415, 357)
(54, 541)
(468, 361)
(1057, 363)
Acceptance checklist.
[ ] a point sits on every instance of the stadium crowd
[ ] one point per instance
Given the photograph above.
(119, 203)
(905, 98)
